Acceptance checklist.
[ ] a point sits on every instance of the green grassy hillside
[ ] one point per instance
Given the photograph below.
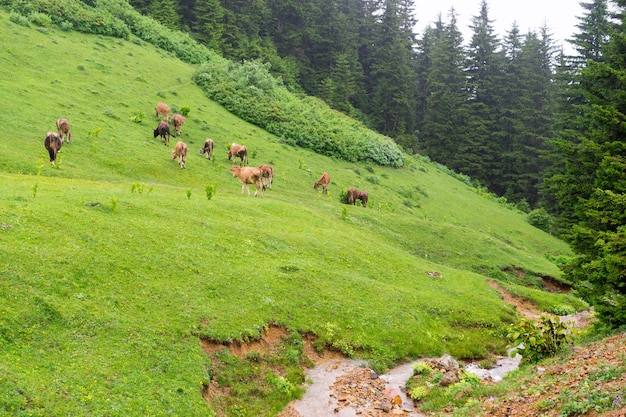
(115, 263)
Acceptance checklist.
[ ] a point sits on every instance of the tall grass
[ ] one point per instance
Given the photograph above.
(115, 262)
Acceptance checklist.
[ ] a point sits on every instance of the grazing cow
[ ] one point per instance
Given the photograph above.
(238, 151)
(53, 144)
(207, 149)
(163, 129)
(180, 152)
(267, 175)
(324, 181)
(249, 175)
(354, 194)
(63, 126)
(178, 120)
(163, 109)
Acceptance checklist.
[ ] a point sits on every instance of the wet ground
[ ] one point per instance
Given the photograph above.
(347, 388)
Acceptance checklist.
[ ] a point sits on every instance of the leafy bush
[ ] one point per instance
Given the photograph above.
(19, 19)
(536, 340)
(210, 190)
(422, 368)
(249, 91)
(82, 17)
(343, 196)
(562, 310)
(184, 110)
(40, 19)
(541, 219)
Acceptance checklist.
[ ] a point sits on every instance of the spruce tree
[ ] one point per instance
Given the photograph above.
(392, 75)
(480, 148)
(595, 182)
(444, 121)
(557, 197)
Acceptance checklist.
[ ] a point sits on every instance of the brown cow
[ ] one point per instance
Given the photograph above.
(324, 181)
(163, 109)
(53, 144)
(63, 126)
(178, 120)
(163, 129)
(249, 175)
(238, 151)
(354, 194)
(267, 175)
(207, 149)
(180, 152)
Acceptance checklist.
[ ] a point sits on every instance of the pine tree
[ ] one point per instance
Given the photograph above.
(392, 75)
(165, 11)
(444, 121)
(595, 182)
(480, 148)
(558, 197)
(208, 23)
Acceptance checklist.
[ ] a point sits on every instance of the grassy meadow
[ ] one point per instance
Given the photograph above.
(115, 263)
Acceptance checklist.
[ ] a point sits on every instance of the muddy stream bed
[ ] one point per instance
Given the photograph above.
(348, 388)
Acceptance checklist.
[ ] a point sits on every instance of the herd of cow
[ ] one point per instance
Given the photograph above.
(262, 177)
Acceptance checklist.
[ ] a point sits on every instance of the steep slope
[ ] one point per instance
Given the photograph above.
(115, 262)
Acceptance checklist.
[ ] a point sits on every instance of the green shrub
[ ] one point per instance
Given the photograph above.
(249, 91)
(184, 110)
(562, 310)
(96, 20)
(343, 196)
(541, 219)
(19, 19)
(40, 19)
(210, 190)
(422, 368)
(536, 340)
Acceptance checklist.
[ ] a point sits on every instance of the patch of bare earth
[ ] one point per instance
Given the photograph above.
(542, 395)
(557, 384)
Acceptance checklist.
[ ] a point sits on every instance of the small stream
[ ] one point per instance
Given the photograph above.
(318, 402)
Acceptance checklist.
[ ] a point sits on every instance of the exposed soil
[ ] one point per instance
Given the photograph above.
(346, 388)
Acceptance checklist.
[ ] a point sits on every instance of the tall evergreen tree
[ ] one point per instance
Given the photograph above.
(527, 114)
(480, 147)
(444, 121)
(207, 24)
(166, 12)
(392, 75)
(570, 124)
(595, 182)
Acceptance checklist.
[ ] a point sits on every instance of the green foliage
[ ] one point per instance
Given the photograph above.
(137, 117)
(539, 339)
(40, 19)
(82, 17)
(562, 310)
(113, 203)
(343, 196)
(424, 388)
(210, 190)
(19, 19)
(589, 398)
(422, 368)
(252, 93)
(185, 110)
(541, 219)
